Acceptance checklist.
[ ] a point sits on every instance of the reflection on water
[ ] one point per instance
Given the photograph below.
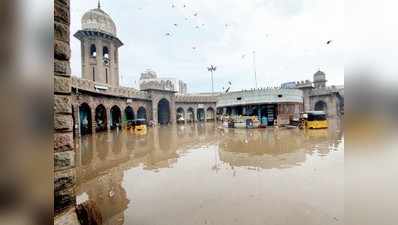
(203, 174)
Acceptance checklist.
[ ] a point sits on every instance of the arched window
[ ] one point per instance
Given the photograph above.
(105, 52)
(93, 50)
(106, 75)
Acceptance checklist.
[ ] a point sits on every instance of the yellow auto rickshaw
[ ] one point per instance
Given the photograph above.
(140, 126)
(313, 120)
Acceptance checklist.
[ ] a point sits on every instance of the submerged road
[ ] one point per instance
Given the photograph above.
(201, 174)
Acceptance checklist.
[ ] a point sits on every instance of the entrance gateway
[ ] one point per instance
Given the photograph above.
(163, 111)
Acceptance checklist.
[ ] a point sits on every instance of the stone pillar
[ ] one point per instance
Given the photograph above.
(195, 115)
(332, 106)
(64, 153)
(93, 122)
(76, 115)
(173, 109)
(108, 118)
(155, 111)
(185, 115)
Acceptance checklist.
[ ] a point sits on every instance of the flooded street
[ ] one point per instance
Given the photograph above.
(201, 174)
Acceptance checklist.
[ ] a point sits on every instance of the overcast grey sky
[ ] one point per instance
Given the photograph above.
(289, 37)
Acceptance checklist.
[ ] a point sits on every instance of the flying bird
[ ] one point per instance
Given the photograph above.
(197, 27)
(176, 24)
(184, 6)
(229, 82)
(193, 47)
(243, 56)
(195, 14)
(328, 42)
(167, 34)
(173, 6)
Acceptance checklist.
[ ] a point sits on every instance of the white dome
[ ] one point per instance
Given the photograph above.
(98, 20)
(319, 76)
(148, 74)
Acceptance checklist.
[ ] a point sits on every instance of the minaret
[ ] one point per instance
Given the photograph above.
(319, 79)
(99, 48)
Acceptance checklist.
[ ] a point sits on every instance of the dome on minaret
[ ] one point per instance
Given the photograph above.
(98, 20)
(148, 74)
(319, 76)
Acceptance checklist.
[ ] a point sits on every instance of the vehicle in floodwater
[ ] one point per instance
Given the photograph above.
(313, 120)
(137, 125)
(140, 125)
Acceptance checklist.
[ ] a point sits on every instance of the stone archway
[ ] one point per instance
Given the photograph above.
(100, 118)
(321, 106)
(210, 114)
(201, 114)
(129, 113)
(116, 116)
(85, 119)
(180, 115)
(190, 115)
(141, 113)
(163, 111)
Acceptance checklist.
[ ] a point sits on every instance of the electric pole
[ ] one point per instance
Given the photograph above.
(212, 68)
(254, 67)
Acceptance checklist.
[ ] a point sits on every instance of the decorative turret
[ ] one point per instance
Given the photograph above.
(99, 47)
(319, 79)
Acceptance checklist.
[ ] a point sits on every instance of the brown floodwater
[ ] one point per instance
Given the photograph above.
(201, 174)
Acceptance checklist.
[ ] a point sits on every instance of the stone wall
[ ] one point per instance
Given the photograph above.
(194, 106)
(90, 86)
(64, 155)
(93, 100)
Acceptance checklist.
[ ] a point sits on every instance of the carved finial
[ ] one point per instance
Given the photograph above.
(99, 4)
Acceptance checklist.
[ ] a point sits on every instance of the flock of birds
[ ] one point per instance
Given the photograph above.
(198, 26)
(196, 14)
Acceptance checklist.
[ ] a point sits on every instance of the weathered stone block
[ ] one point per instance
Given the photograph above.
(62, 67)
(64, 160)
(63, 141)
(69, 217)
(64, 199)
(62, 84)
(61, 13)
(63, 122)
(64, 179)
(61, 32)
(63, 3)
(61, 50)
(62, 104)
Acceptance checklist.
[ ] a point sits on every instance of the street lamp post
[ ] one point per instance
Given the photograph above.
(212, 68)
(254, 68)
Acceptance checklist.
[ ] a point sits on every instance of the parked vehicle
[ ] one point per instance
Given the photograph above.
(140, 125)
(313, 120)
